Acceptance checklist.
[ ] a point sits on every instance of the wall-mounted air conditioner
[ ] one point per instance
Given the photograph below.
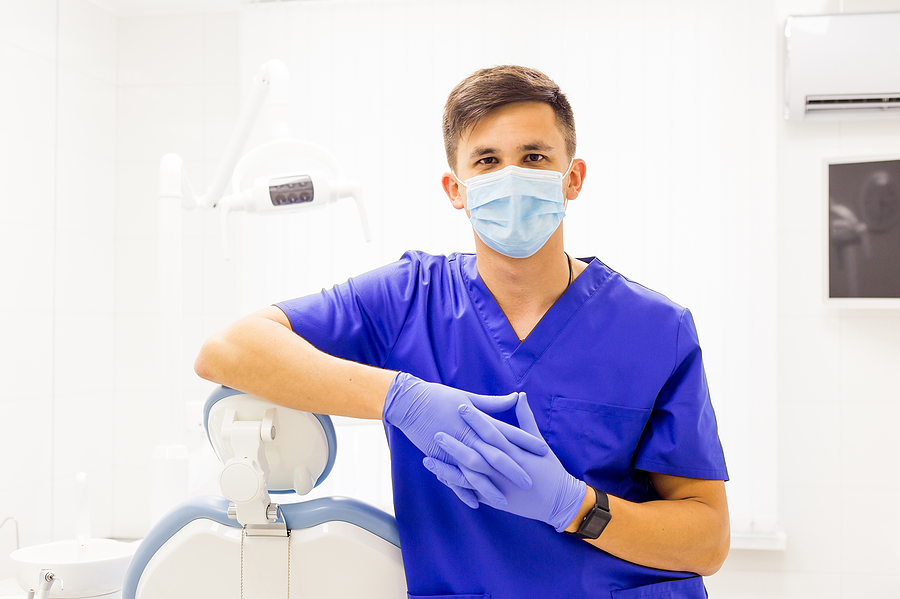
(839, 67)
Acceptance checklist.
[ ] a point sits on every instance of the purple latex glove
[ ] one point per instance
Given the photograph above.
(555, 495)
(422, 409)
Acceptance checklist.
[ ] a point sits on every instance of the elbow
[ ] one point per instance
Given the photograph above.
(224, 356)
(208, 360)
(716, 554)
(714, 561)
(718, 540)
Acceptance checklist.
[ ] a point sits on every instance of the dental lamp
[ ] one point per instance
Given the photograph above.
(278, 193)
(275, 194)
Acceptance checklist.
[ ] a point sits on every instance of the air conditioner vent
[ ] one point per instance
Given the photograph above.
(842, 67)
(853, 102)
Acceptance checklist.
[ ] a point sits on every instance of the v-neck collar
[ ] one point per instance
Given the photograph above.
(521, 356)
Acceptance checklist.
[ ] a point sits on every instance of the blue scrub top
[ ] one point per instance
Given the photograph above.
(613, 374)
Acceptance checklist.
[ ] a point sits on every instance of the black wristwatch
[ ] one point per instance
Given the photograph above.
(596, 519)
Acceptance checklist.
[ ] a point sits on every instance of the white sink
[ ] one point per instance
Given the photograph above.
(95, 568)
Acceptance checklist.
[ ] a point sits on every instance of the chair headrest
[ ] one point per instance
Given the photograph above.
(305, 444)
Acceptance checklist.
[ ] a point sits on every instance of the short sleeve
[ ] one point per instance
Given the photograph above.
(361, 319)
(681, 437)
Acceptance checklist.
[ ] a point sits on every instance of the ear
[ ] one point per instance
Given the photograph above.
(576, 178)
(453, 190)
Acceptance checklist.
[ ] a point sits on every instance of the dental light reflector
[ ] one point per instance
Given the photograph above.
(291, 190)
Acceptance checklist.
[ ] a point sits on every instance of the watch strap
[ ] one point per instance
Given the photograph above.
(596, 519)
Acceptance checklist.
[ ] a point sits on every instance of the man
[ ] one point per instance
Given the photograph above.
(607, 372)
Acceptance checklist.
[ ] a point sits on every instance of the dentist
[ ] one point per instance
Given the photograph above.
(566, 403)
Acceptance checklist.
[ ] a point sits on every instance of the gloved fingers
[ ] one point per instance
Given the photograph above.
(484, 458)
(526, 440)
(502, 435)
(466, 456)
(493, 403)
(526, 419)
(523, 439)
(466, 496)
(446, 473)
(453, 479)
(484, 488)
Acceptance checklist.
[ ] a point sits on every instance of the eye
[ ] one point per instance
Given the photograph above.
(534, 158)
(487, 160)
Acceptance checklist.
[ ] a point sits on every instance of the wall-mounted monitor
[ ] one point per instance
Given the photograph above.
(863, 255)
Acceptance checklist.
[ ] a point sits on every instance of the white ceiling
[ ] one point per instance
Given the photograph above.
(126, 8)
(168, 7)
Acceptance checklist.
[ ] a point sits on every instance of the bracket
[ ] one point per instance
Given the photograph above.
(244, 479)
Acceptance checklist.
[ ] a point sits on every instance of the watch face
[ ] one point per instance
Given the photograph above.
(594, 523)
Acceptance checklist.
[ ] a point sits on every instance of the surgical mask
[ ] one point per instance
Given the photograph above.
(515, 210)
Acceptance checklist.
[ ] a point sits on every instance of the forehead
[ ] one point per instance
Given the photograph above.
(513, 126)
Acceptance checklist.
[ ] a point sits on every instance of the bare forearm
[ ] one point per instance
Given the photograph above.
(260, 354)
(689, 534)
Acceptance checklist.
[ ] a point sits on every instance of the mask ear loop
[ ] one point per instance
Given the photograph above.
(458, 181)
(568, 170)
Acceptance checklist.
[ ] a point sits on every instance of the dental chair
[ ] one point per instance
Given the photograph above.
(243, 544)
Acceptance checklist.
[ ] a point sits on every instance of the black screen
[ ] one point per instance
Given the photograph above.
(864, 229)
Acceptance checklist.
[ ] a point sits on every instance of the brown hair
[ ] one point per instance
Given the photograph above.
(484, 90)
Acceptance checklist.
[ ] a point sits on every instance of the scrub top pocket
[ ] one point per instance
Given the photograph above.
(594, 439)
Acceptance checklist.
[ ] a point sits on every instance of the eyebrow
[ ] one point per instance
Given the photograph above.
(535, 146)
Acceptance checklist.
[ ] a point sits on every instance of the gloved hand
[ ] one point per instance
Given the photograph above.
(555, 495)
(422, 409)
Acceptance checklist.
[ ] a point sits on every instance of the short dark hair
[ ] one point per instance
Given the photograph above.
(490, 88)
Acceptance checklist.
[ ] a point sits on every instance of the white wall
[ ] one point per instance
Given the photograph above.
(99, 99)
(673, 110)
(178, 92)
(838, 396)
(57, 153)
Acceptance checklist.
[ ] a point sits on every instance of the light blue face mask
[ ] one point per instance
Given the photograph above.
(515, 210)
